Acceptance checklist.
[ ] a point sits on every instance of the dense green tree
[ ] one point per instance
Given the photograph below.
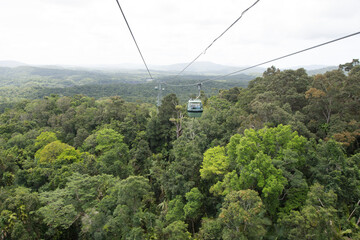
(135, 123)
(325, 101)
(231, 95)
(52, 151)
(349, 66)
(123, 213)
(177, 231)
(192, 208)
(211, 229)
(182, 174)
(288, 86)
(52, 165)
(11, 160)
(215, 163)
(113, 108)
(141, 158)
(175, 210)
(347, 126)
(160, 130)
(335, 171)
(243, 216)
(266, 160)
(316, 220)
(17, 218)
(44, 139)
(64, 208)
(112, 152)
(213, 121)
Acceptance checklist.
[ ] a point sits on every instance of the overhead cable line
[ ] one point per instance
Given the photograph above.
(269, 61)
(122, 12)
(203, 52)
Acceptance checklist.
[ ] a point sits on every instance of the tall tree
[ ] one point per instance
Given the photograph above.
(242, 214)
(316, 220)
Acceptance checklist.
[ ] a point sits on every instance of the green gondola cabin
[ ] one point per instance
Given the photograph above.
(195, 108)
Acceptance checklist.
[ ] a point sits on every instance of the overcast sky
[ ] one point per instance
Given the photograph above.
(80, 32)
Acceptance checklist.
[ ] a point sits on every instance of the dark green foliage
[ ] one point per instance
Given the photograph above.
(211, 229)
(123, 212)
(161, 134)
(242, 215)
(336, 172)
(317, 218)
(177, 231)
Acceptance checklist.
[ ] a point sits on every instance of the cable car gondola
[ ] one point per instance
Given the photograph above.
(195, 107)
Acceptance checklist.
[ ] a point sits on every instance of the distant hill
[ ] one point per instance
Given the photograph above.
(198, 67)
(314, 69)
(310, 67)
(60, 76)
(207, 68)
(13, 73)
(321, 70)
(202, 68)
(26, 76)
(11, 64)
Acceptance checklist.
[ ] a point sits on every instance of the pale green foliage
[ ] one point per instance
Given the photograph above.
(102, 141)
(272, 141)
(106, 139)
(45, 138)
(259, 160)
(231, 182)
(51, 151)
(232, 148)
(261, 174)
(214, 163)
(68, 156)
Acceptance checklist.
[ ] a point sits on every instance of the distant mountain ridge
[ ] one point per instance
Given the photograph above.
(213, 68)
(201, 68)
(206, 67)
(321, 70)
(11, 64)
